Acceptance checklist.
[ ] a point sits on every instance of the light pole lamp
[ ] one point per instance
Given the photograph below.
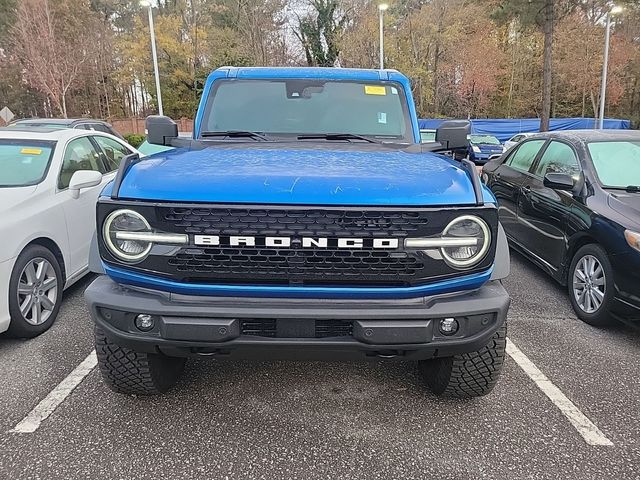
(605, 65)
(381, 9)
(154, 53)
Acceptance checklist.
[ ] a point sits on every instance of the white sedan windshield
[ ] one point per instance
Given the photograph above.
(24, 162)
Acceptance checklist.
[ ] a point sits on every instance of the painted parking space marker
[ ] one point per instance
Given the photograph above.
(48, 404)
(585, 427)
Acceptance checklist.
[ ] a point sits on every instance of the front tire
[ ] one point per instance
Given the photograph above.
(130, 372)
(591, 286)
(467, 375)
(35, 292)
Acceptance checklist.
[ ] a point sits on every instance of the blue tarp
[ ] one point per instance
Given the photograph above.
(505, 128)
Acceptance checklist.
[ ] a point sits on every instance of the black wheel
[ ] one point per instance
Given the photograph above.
(127, 371)
(590, 285)
(469, 374)
(35, 292)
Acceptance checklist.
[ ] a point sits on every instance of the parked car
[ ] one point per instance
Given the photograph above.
(80, 123)
(516, 139)
(49, 182)
(427, 135)
(321, 230)
(482, 147)
(570, 202)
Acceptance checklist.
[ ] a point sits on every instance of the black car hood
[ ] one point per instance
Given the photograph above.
(626, 204)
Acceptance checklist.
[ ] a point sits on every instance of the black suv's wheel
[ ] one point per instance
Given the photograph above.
(590, 284)
(127, 371)
(469, 374)
(35, 292)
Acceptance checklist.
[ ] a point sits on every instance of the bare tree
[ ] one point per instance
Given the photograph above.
(51, 42)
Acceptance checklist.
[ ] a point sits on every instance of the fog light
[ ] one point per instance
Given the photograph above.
(145, 322)
(448, 326)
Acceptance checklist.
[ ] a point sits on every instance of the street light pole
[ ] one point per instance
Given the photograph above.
(381, 9)
(605, 66)
(154, 53)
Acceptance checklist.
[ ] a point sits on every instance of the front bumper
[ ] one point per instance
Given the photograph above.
(297, 328)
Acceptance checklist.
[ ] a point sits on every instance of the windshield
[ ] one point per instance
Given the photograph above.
(484, 140)
(617, 163)
(24, 162)
(292, 107)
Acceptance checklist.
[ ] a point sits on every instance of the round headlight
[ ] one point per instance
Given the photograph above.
(466, 227)
(126, 249)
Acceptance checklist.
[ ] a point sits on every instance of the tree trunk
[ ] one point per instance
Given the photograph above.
(547, 67)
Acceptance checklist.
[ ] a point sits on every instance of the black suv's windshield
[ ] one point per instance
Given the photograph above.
(24, 162)
(298, 107)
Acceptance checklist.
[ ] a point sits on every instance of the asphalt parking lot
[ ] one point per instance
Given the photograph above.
(334, 420)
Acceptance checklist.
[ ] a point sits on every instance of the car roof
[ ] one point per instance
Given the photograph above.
(40, 133)
(56, 121)
(589, 135)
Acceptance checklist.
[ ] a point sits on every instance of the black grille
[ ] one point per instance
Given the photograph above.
(333, 328)
(277, 222)
(295, 265)
(259, 327)
(265, 264)
(268, 327)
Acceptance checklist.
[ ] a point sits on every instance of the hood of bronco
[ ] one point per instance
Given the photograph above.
(298, 174)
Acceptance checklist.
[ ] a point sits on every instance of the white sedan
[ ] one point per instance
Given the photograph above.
(517, 138)
(50, 180)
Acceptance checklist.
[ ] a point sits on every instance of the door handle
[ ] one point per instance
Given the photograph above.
(527, 188)
(497, 175)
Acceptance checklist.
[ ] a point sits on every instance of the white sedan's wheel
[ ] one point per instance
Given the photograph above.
(35, 292)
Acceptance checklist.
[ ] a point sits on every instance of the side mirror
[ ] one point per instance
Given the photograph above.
(453, 134)
(160, 130)
(558, 181)
(83, 179)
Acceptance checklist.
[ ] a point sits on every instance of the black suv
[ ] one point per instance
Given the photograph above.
(82, 123)
(570, 202)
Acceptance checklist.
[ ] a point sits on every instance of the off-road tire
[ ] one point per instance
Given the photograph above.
(601, 317)
(467, 375)
(130, 372)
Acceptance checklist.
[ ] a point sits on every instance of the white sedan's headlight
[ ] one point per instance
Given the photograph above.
(129, 236)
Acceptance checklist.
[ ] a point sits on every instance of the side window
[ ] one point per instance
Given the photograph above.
(523, 157)
(114, 152)
(99, 127)
(79, 155)
(558, 158)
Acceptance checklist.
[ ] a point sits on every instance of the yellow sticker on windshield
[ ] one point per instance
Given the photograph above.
(31, 151)
(374, 90)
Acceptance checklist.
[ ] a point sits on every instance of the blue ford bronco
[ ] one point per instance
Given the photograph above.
(303, 219)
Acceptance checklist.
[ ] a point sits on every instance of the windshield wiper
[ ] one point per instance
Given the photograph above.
(236, 134)
(629, 188)
(336, 136)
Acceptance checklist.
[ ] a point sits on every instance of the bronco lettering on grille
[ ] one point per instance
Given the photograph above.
(286, 242)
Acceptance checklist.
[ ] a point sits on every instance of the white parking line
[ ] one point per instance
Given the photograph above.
(585, 427)
(48, 404)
